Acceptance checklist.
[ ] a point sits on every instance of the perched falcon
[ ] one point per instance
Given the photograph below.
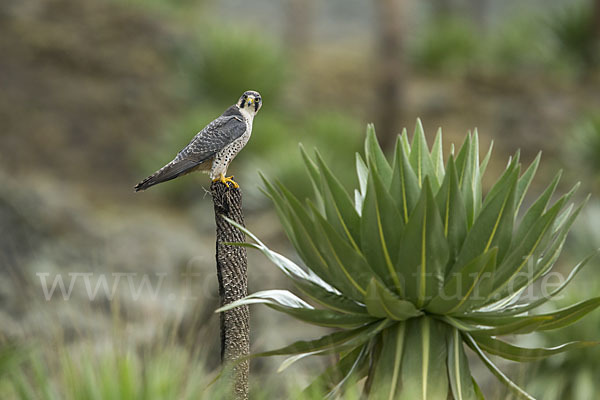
(213, 147)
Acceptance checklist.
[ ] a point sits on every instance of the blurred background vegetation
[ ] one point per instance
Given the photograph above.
(97, 94)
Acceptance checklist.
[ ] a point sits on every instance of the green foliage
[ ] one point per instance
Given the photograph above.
(585, 143)
(171, 374)
(228, 61)
(519, 45)
(574, 33)
(573, 375)
(449, 44)
(416, 265)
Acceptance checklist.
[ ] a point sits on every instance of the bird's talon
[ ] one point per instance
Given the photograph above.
(226, 180)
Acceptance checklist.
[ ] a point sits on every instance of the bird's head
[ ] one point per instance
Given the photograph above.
(250, 101)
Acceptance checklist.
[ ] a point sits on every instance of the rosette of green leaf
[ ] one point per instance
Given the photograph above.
(416, 265)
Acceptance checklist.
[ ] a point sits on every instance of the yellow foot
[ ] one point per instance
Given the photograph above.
(226, 180)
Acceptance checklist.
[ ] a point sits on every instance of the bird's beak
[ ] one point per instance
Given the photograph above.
(250, 101)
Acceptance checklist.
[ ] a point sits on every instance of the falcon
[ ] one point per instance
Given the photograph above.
(213, 148)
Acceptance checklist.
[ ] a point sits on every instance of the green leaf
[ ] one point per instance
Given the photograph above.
(340, 210)
(315, 178)
(405, 186)
(296, 231)
(459, 373)
(317, 248)
(518, 327)
(328, 299)
(477, 390)
(404, 142)
(460, 291)
(278, 297)
(525, 181)
(384, 304)
(437, 156)
(386, 374)
(507, 176)
(475, 189)
(424, 371)
(453, 212)
(461, 158)
(423, 250)
(570, 315)
(362, 172)
(531, 245)
(327, 318)
(485, 161)
(522, 354)
(541, 266)
(494, 370)
(352, 363)
(343, 257)
(391, 221)
(378, 236)
(331, 343)
(468, 176)
(493, 226)
(375, 155)
(281, 209)
(307, 282)
(535, 211)
(519, 309)
(556, 319)
(420, 158)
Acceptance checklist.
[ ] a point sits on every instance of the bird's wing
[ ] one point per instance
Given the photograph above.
(214, 137)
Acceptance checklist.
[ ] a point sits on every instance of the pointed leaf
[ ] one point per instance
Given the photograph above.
(384, 304)
(343, 257)
(328, 299)
(386, 378)
(499, 374)
(525, 181)
(424, 369)
(453, 212)
(527, 251)
(486, 159)
(333, 342)
(316, 246)
(315, 178)
(460, 291)
(557, 319)
(405, 186)
(420, 158)
(375, 155)
(278, 297)
(437, 156)
(340, 210)
(459, 373)
(378, 236)
(327, 318)
(423, 250)
(493, 226)
(519, 309)
(522, 354)
(284, 264)
(362, 172)
(348, 365)
(536, 210)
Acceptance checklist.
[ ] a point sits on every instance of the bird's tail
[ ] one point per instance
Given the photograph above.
(170, 171)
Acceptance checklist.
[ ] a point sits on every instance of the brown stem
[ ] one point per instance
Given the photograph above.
(233, 283)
